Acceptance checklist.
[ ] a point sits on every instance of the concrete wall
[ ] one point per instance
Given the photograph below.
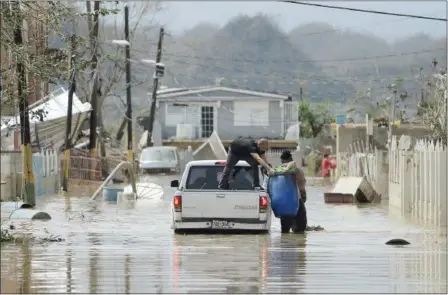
(46, 173)
(345, 136)
(11, 162)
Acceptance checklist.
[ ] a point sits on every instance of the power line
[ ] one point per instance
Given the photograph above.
(301, 61)
(326, 78)
(284, 79)
(365, 10)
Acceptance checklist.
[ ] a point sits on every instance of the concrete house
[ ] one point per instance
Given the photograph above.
(232, 112)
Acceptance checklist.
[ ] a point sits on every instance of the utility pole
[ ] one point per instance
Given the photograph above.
(154, 90)
(298, 114)
(68, 132)
(93, 117)
(120, 131)
(95, 90)
(128, 84)
(1, 73)
(28, 175)
(392, 119)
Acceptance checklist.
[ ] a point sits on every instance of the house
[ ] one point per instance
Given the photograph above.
(232, 112)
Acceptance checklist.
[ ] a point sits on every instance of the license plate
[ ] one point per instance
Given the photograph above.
(220, 224)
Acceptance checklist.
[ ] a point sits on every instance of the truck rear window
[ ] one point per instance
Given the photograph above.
(207, 178)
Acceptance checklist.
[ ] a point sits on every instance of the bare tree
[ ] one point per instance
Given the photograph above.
(40, 20)
(432, 107)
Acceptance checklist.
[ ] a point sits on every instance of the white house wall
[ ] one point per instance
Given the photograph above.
(251, 113)
(228, 130)
(189, 113)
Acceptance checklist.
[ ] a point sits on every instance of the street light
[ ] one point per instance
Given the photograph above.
(121, 42)
(148, 61)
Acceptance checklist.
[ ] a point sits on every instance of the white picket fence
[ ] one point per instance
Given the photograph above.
(418, 180)
(372, 165)
(361, 164)
(46, 163)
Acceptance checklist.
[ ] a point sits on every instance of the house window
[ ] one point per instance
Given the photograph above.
(248, 113)
(207, 121)
(175, 114)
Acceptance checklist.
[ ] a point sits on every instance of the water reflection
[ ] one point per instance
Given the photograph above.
(223, 264)
(287, 263)
(94, 259)
(429, 268)
(25, 286)
(127, 274)
(111, 250)
(68, 266)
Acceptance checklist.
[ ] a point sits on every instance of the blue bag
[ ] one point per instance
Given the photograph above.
(284, 196)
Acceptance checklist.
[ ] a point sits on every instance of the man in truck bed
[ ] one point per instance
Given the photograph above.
(253, 152)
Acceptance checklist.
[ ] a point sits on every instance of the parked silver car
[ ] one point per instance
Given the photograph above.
(161, 159)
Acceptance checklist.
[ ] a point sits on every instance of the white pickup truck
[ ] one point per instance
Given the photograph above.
(198, 204)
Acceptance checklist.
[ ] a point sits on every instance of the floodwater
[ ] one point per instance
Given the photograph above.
(113, 249)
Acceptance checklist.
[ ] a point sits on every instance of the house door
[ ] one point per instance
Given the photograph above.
(207, 121)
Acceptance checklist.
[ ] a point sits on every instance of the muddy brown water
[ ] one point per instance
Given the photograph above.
(112, 249)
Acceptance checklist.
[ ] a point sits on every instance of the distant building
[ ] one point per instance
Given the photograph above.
(196, 112)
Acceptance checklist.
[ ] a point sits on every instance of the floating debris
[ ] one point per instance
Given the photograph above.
(7, 236)
(397, 242)
(314, 228)
(52, 238)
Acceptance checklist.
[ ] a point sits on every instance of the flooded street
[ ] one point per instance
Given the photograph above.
(112, 249)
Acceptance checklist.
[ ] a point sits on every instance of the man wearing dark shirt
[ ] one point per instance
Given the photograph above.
(253, 152)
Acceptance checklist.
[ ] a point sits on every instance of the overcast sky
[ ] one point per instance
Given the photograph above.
(181, 15)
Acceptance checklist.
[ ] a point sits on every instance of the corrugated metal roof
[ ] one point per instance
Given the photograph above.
(55, 107)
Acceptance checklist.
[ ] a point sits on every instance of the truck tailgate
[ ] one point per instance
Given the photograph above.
(220, 204)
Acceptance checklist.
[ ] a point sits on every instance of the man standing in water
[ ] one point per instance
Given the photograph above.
(253, 152)
(300, 221)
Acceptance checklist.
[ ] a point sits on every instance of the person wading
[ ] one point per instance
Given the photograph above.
(253, 152)
(299, 223)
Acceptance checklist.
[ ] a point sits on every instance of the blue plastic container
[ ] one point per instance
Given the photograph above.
(284, 196)
(110, 194)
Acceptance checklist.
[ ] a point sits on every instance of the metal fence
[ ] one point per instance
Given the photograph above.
(83, 167)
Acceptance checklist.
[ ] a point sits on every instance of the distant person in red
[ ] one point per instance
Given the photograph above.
(326, 166)
(333, 162)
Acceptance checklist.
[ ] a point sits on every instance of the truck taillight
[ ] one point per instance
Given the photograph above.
(177, 203)
(263, 203)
